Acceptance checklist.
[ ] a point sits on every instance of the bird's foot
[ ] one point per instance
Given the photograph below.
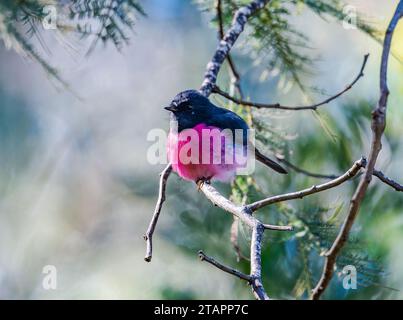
(202, 181)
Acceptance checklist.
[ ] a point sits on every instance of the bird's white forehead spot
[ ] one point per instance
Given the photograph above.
(185, 100)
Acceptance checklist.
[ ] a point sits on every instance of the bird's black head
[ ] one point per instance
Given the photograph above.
(190, 108)
(188, 101)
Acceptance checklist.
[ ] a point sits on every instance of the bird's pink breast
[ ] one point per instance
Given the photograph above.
(186, 149)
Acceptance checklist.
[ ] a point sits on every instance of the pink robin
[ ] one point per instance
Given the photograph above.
(206, 143)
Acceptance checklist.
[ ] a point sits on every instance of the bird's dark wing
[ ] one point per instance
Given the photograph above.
(226, 119)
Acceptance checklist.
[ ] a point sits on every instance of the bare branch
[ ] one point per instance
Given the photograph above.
(388, 181)
(224, 268)
(305, 172)
(256, 262)
(245, 212)
(314, 189)
(278, 228)
(218, 8)
(240, 18)
(161, 198)
(236, 77)
(379, 174)
(238, 23)
(378, 126)
(241, 212)
(315, 106)
(245, 215)
(236, 82)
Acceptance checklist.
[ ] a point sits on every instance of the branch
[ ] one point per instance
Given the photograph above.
(305, 172)
(388, 181)
(161, 198)
(314, 189)
(224, 268)
(238, 24)
(245, 212)
(217, 90)
(256, 262)
(236, 82)
(277, 228)
(258, 228)
(379, 174)
(213, 67)
(236, 77)
(240, 18)
(378, 126)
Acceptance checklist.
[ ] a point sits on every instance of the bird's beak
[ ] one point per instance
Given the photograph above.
(170, 108)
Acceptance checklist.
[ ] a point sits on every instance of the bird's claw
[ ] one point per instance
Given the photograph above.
(200, 183)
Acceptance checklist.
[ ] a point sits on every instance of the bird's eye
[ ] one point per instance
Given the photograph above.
(185, 106)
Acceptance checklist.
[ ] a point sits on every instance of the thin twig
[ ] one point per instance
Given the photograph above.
(388, 181)
(236, 82)
(314, 189)
(244, 213)
(379, 174)
(315, 106)
(306, 172)
(235, 74)
(278, 228)
(215, 263)
(378, 126)
(161, 198)
(257, 227)
(241, 16)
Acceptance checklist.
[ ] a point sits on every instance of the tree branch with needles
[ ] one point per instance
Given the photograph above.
(245, 212)
(309, 191)
(241, 16)
(236, 78)
(379, 174)
(279, 106)
(236, 83)
(378, 126)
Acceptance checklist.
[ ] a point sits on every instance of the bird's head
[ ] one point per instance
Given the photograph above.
(187, 102)
(189, 108)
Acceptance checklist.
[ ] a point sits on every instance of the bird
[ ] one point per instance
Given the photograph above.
(192, 114)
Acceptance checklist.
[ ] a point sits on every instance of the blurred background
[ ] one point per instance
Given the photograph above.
(77, 191)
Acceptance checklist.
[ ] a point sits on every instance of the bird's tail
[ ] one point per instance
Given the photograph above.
(270, 163)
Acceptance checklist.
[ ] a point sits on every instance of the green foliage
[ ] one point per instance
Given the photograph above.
(273, 41)
(113, 17)
(22, 20)
(169, 293)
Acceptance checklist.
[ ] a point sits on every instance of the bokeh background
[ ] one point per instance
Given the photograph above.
(77, 191)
